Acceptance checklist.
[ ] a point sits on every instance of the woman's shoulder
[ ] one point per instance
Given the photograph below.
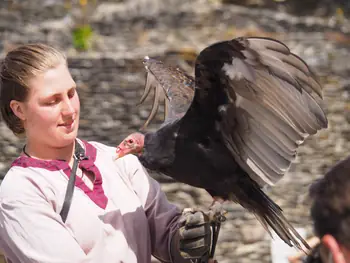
(32, 177)
(18, 181)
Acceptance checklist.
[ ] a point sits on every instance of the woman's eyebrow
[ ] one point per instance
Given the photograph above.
(53, 94)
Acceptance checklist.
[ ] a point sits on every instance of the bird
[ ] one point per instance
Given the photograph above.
(234, 127)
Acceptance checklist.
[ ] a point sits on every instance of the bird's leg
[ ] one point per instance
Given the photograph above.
(216, 216)
(216, 210)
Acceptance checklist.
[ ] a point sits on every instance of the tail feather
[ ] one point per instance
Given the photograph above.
(285, 230)
(268, 213)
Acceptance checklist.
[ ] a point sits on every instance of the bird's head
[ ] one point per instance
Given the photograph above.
(133, 144)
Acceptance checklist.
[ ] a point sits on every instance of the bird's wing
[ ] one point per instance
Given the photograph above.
(170, 84)
(262, 99)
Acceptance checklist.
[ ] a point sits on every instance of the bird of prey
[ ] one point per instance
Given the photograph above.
(236, 126)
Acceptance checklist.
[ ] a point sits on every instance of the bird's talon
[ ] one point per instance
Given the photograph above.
(222, 218)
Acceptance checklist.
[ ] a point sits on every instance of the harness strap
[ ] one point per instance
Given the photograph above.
(79, 154)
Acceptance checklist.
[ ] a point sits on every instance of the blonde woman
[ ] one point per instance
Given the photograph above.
(117, 213)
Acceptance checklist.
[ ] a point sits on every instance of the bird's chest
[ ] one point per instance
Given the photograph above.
(205, 151)
(197, 162)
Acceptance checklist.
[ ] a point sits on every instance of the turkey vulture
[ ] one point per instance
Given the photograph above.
(236, 126)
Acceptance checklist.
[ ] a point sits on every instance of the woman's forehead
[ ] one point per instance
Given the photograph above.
(53, 81)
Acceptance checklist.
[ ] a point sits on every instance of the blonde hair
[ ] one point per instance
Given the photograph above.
(18, 67)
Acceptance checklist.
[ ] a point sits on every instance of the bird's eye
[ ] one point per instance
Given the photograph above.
(130, 141)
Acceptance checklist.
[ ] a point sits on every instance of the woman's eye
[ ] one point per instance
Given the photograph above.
(130, 141)
(71, 93)
(51, 102)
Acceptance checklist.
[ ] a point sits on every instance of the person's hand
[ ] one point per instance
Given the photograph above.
(194, 235)
(335, 253)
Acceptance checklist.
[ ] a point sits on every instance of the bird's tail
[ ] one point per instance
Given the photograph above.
(269, 214)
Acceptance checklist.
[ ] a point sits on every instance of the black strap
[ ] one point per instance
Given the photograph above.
(79, 154)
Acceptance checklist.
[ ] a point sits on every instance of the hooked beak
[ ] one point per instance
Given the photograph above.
(119, 153)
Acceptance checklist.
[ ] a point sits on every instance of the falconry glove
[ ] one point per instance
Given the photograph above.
(194, 235)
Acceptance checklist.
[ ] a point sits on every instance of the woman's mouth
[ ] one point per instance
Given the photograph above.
(68, 125)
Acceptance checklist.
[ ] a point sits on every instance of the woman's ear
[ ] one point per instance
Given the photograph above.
(17, 108)
(332, 245)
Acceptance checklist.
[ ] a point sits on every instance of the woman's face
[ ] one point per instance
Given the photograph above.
(51, 113)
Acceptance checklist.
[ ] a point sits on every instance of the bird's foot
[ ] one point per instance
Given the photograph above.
(216, 213)
(216, 216)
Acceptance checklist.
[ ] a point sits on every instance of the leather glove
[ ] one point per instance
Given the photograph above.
(194, 235)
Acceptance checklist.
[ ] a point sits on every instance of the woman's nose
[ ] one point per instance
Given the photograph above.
(67, 108)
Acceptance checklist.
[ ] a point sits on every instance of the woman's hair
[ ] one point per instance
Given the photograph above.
(18, 67)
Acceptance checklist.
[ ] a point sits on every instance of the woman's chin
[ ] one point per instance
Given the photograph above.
(67, 138)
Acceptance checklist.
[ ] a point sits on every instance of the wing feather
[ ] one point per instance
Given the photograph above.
(268, 100)
(169, 84)
(151, 83)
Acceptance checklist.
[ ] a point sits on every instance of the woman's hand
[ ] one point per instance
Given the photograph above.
(195, 235)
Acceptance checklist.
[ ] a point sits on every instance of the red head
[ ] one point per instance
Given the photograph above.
(133, 144)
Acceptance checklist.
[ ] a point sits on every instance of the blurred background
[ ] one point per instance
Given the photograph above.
(106, 41)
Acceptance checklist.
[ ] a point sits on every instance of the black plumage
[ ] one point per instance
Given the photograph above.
(237, 125)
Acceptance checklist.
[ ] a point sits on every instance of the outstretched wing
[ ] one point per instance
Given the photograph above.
(263, 98)
(170, 84)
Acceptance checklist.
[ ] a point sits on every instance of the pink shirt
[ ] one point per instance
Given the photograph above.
(125, 218)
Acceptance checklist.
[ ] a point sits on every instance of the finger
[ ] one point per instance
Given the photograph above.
(185, 255)
(182, 220)
(190, 219)
(195, 219)
(194, 252)
(196, 232)
(190, 244)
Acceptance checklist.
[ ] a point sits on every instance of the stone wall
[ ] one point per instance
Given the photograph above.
(111, 78)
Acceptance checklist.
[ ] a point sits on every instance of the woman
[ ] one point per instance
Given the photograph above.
(118, 213)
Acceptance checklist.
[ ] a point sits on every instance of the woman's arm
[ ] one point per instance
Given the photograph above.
(162, 216)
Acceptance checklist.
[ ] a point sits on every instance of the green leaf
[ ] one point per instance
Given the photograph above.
(82, 37)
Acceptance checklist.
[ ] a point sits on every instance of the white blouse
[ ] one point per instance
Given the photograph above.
(123, 217)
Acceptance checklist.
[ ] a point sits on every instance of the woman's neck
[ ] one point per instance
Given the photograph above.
(47, 152)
